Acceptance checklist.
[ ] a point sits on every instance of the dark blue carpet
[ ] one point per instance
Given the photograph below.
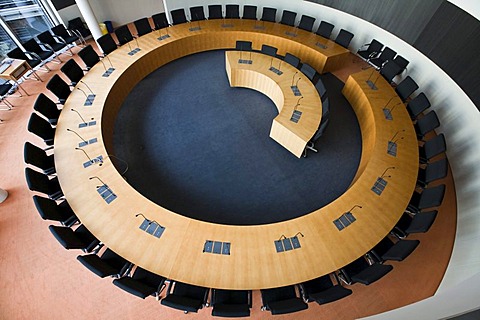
(202, 149)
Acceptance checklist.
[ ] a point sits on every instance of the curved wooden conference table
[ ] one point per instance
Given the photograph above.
(253, 262)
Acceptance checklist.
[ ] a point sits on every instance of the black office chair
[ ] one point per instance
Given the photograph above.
(107, 44)
(81, 238)
(325, 29)
(282, 300)
(306, 23)
(269, 14)
(433, 171)
(386, 249)
(79, 27)
(363, 272)
(33, 61)
(426, 124)
(48, 209)
(108, 264)
(401, 62)
(123, 34)
(343, 38)
(34, 49)
(310, 72)
(389, 71)
(47, 108)
(142, 283)
(288, 18)
(185, 297)
(269, 50)
(59, 88)
(41, 128)
(417, 105)
(143, 26)
(67, 36)
(89, 56)
(322, 90)
(178, 16)
(73, 72)
(232, 11)
(215, 12)
(322, 290)
(231, 303)
(292, 60)
(372, 50)
(48, 41)
(406, 88)
(429, 198)
(321, 128)
(387, 54)
(242, 45)
(418, 223)
(39, 182)
(249, 12)
(5, 89)
(160, 20)
(38, 157)
(196, 13)
(432, 148)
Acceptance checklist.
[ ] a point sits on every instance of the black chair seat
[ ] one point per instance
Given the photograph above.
(93, 263)
(182, 303)
(421, 222)
(400, 250)
(231, 310)
(372, 273)
(287, 306)
(331, 294)
(134, 287)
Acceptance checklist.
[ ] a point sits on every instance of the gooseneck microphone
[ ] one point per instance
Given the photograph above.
(141, 214)
(355, 206)
(299, 233)
(386, 105)
(396, 133)
(86, 85)
(385, 172)
(95, 177)
(103, 64)
(128, 42)
(293, 78)
(282, 237)
(298, 103)
(109, 61)
(296, 84)
(79, 115)
(86, 154)
(86, 142)
(86, 96)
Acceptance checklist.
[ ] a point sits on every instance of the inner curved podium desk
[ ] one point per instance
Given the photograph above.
(253, 262)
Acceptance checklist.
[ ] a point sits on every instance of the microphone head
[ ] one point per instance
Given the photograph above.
(68, 129)
(76, 148)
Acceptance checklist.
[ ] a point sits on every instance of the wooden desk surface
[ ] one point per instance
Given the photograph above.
(253, 262)
(16, 69)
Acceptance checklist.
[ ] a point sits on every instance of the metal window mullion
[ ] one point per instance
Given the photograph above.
(12, 35)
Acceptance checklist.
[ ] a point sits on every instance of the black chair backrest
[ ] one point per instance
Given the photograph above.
(67, 238)
(343, 38)
(46, 107)
(401, 62)
(78, 25)
(73, 71)
(374, 47)
(215, 11)
(123, 34)
(322, 90)
(59, 88)
(249, 12)
(46, 37)
(232, 11)
(293, 60)
(243, 45)
(41, 128)
(160, 20)
(436, 170)
(39, 182)
(143, 26)
(37, 157)
(269, 50)
(309, 71)
(389, 71)
(306, 23)
(60, 31)
(417, 105)
(325, 29)
(435, 146)
(48, 209)
(178, 16)
(426, 124)
(196, 13)
(269, 14)
(89, 56)
(107, 43)
(288, 18)
(32, 46)
(431, 197)
(406, 88)
(387, 54)
(17, 53)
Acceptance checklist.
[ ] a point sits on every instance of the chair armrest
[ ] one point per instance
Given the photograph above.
(344, 277)
(46, 45)
(33, 54)
(59, 39)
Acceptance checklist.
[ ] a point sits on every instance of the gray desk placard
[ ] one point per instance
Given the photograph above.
(295, 242)
(279, 245)
(287, 244)
(158, 233)
(344, 220)
(144, 225)
(208, 246)
(350, 217)
(338, 224)
(217, 247)
(226, 248)
(152, 227)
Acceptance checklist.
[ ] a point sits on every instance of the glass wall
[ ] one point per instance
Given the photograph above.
(6, 43)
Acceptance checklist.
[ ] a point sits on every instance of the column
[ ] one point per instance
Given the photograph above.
(89, 17)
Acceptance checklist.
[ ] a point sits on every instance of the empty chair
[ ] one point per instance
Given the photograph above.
(426, 124)
(5, 88)
(371, 50)
(38, 157)
(79, 27)
(292, 60)
(231, 303)
(33, 61)
(249, 12)
(108, 264)
(123, 34)
(186, 297)
(288, 18)
(143, 26)
(282, 300)
(387, 54)
(432, 148)
(432, 172)
(39, 182)
(418, 223)
(48, 41)
(215, 11)
(142, 283)
(107, 44)
(406, 88)
(58, 87)
(160, 20)
(41, 128)
(178, 16)
(322, 290)
(386, 249)
(67, 36)
(73, 72)
(47, 108)
(196, 13)
(81, 238)
(401, 62)
(269, 14)
(430, 197)
(268, 50)
(325, 29)
(322, 90)
(306, 23)
(310, 72)
(89, 56)
(48, 209)
(389, 71)
(232, 11)
(243, 45)
(362, 272)
(34, 49)
(417, 105)
(343, 38)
